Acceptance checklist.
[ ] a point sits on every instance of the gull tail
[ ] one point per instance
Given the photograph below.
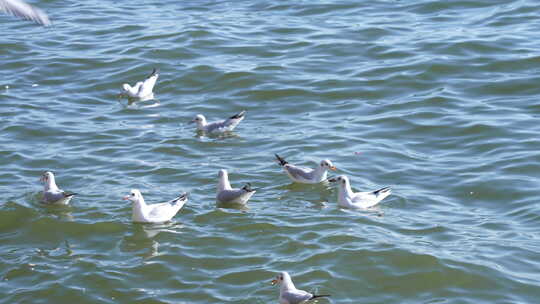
(319, 296)
(239, 115)
(281, 160)
(70, 194)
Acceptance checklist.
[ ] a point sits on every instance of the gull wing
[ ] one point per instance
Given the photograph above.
(51, 197)
(370, 199)
(165, 211)
(298, 172)
(296, 296)
(226, 125)
(148, 85)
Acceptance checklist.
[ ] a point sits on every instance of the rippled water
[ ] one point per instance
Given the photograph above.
(441, 99)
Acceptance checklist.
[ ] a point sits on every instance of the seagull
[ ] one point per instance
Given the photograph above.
(348, 199)
(227, 195)
(24, 10)
(218, 126)
(155, 213)
(288, 294)
(52, 195)
(306, 175)
(142, 90)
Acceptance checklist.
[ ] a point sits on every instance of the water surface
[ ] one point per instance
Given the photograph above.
(440, 98)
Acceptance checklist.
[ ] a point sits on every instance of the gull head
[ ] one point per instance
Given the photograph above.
(327, 164)
(341, 180)
(223, 174)
(133, 196)
(280, 278)
(200, 120)
(46, 177)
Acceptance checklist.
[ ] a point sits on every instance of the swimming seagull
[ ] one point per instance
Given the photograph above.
(348, 199)
(218, 126)
(228, 195)
(24, 10)
(306, 175)
(155, 213)
(288, 294)
(142, 90)
(52, 195)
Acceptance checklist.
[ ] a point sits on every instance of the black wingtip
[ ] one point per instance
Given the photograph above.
(238, 115)
(183, 196)
(377, 192)
(319, 296)
(154, 72)
(248, 188)
(70, 194)
(281, 160)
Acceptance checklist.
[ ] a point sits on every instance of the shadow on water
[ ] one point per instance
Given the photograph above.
(216, 135)
(141, 238)
(241, 207)
(134, 103)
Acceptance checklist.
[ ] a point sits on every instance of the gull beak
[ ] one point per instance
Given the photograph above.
(126, 198)
(192, 121)
(332, 180)
(274, 282)
(333, 168)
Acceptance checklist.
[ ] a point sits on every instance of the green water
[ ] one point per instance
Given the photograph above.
(437, 99)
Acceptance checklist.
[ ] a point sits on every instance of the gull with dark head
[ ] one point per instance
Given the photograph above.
(24, 10)
(306, 175)
(142, 90)
(155, 213)
(52, 195)
(228, 195)
(349, 199)
(218, 126)
(288, 294)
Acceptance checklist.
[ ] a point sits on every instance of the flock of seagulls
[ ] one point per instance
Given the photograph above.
(163, 212)
(226, 194)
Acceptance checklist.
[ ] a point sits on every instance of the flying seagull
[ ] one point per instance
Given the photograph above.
(24, 10)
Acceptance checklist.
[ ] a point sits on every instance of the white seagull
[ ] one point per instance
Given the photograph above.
(348, 199)
(228, 195)
(288, 294)
(218, 126)
(52, 195)
(306, 175)
(24, 10)
(142, 90)
(155, 213)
